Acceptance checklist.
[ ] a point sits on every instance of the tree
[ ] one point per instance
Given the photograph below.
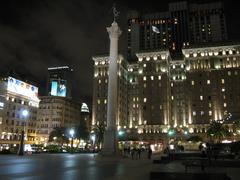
(82, 131)
(99, 130)
(236, 126)
(58, 135)
(217, 130)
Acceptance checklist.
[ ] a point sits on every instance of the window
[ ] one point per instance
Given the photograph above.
(145, 100)
(172, 98)
(202, 113)
(229, 73)
(201, 98)
(224, 104)
(194, 113)
(152, 77)
(208, 82)
(223, 89)
(144, 65)
(209, 105)
(210, 113)
(144, 78)
(99, 81)
(193, 83)
(159, 77)
(98, 101)
(223, 81)
(105, 101)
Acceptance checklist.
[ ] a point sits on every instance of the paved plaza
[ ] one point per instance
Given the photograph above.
(89, 166)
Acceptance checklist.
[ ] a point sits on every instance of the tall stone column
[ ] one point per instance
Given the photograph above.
(110, 143)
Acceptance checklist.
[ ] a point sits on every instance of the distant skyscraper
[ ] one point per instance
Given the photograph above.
(60, 81)
(182, 25)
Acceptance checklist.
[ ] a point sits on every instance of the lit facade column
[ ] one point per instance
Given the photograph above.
(110, 144)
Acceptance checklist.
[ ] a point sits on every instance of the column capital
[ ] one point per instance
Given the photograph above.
(114, 31)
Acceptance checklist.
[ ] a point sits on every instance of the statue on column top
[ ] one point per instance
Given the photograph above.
(115, 12)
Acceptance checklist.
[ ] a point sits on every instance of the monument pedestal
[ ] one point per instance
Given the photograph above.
(110, 143)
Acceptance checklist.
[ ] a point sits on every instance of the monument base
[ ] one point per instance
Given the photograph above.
(109, 143)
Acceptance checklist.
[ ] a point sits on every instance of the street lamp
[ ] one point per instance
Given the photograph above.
(72, 132)
(21, 147)
(93, 138)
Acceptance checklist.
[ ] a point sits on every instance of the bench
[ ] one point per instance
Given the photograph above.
(187, 176)
(195, 162)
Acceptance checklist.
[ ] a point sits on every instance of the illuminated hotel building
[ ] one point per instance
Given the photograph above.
(59, 81)
(100, 86)
(55, 111)
(182, 25)
(158, 92)
(16, 97)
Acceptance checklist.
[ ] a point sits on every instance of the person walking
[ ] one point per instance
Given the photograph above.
(132, 153)
(149, 152)
(139, 153)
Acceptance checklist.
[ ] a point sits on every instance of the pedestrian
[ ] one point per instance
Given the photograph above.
(149, 152)
(139, 153)
(132, 152)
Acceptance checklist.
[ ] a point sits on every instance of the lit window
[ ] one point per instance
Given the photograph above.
(171, 84)
(152, 77)
(144, 78)
(160, 106)
(98, 101)
(224, 104)
(99, 81)
(133, 105)
(145, 100)
(223, 89)
(140, 71)
(144, 65)
(22, 102)
(224, 97)
(201, 98)
(173, 66)
(209, 105)
(172, 98)
(134, 99)
(202, 113)
(148, 58)
(194, 113)
(105, 101)
(12, 99)
(159, 77)
(106, 80)
(229, 73)
(223, 81)
(193, 83)
(208, 82)
(210, 113)
(7, 98)
(144, 85)
(96, 63)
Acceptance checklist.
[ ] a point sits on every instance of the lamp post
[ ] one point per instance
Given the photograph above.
(72, 132)
(93, 138)
(21, 147)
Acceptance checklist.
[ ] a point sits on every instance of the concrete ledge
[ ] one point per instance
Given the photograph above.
(187, 176)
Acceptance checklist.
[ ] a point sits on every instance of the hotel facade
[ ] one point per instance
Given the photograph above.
(159, 92)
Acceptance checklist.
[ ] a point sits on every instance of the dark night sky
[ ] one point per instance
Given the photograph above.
(36, 34)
